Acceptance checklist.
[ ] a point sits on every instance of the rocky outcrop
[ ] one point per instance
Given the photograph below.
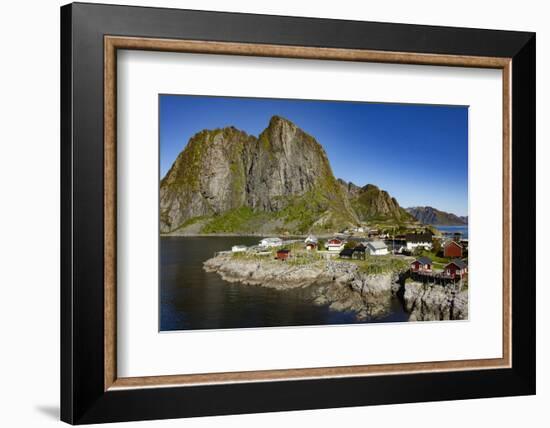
(267, 273)
(341, 285)
(431, 302)
(207, 177)
(344, 287)
(430, 215)
(274, 274)
(351, 189)
(284, 173)
(285, 161)
(349, 289)
(371, 203)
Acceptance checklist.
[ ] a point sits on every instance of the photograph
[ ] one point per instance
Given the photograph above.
(291, 212)
(262, 211)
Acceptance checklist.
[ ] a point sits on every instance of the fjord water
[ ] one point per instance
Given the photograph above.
(192, 299)
(463, 230)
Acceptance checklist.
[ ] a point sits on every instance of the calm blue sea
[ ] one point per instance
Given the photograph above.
(452, 229)
(193, 299)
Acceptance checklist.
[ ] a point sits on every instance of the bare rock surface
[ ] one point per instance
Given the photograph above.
(431, 302)
(343, 287)
(340, 285)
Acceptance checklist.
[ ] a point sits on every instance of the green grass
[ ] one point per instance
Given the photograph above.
(381, 264)
(230, 221)
(435, 258)
(303, 211)
(372, 265)
(302, 259)
(189, 222)
(249, 256)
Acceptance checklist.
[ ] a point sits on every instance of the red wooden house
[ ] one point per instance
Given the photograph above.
(452, 249)
(335, 244)
(422, 264)
(456, 269)
(282, 255)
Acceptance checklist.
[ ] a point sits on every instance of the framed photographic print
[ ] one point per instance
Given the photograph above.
(265, 213)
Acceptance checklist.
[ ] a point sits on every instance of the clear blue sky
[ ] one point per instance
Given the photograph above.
(418, 153)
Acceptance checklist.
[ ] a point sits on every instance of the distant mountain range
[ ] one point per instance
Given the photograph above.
(430, 215)
(226, 181)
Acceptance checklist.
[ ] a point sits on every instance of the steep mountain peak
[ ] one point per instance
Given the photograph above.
(283, 170)
(371, 203)
(370, 187)
(276, 119)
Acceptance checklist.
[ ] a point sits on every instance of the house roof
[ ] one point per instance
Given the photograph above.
(335, 240)
(418, 237)
(452, 242)
(377, 245)
(346, 252)
(423, 260)
(283, 251)
(458, 263)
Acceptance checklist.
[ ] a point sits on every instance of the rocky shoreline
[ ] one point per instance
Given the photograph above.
(435, 302)
(344, 287)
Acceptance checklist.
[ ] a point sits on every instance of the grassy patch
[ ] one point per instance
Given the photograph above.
(302, 211)
(189, 222)
(435, 258)
(230, 221)
(245, 255)
(437, 265)
(302, 259)
(381, 264)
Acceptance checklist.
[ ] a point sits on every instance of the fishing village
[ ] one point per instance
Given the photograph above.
(430, 257)
(360, 270)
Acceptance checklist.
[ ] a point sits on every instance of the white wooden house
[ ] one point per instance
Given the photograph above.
(377, 248)
(271, 242)
(415, 240)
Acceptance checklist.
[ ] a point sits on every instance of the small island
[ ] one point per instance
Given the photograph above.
(356, 273)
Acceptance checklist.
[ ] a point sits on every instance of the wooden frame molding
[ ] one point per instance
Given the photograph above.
(113, 43)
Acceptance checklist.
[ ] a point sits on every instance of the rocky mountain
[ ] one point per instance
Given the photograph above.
(430, 215)
(351, 189)
(228, 181)
(370, 203)
(207, 177)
